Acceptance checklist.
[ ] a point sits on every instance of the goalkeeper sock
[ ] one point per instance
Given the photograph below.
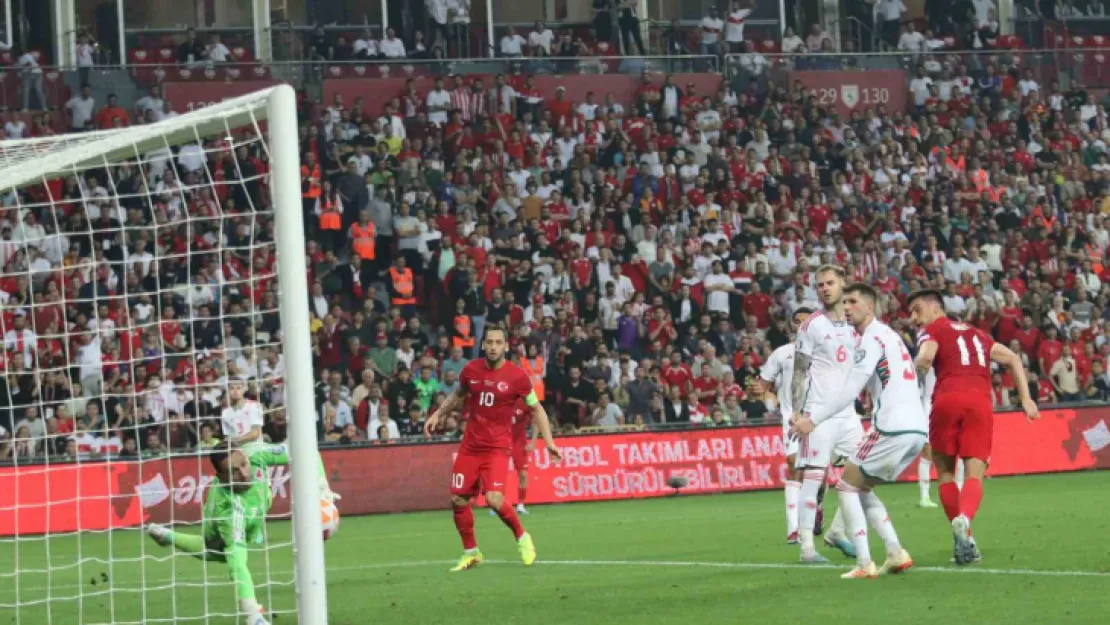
(509, 518)
(464, 523)
(194, 546)
(923, 469)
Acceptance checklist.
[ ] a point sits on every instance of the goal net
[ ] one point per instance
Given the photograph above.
(139, 280)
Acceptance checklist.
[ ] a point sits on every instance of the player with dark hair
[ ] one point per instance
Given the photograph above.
(492, 387)
(881, 363)
(235, 508)
(961, 424)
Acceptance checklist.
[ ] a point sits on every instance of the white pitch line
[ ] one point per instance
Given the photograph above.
(783, 566)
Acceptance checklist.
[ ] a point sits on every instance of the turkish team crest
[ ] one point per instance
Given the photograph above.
(849, 94)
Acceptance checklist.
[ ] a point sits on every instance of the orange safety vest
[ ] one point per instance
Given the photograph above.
(535, 373)
(462, 325)
(402, 284)
(330, 219)
(363, 237)
(314, 188)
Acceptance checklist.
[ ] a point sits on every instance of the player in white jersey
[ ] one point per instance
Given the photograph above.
(776, 375)
(925, 463)
(242, 420)
(823, 356)
(899, 429)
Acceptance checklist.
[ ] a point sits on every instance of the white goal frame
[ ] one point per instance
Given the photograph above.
(27, 162)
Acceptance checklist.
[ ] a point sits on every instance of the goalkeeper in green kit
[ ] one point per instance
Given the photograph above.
(235, 508)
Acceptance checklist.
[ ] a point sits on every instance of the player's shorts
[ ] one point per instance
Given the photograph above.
(479, 473)
(884, 456)
(832, 438)
(522, 459)
(962, 425)
(789, 443)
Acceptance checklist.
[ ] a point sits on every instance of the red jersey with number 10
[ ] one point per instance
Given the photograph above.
(493, 398)
(963, 359)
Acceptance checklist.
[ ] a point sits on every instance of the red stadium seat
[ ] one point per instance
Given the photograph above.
(1097, 41)
(358, 71)
(6, 58)
(242, 54)
(770, 46)
(183, 73)
(140, 56)
(950, 43)
(336, 71)
(166, 55)
(260, 71)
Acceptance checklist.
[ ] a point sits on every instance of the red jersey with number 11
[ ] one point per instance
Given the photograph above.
(963, 359)
(493, 397)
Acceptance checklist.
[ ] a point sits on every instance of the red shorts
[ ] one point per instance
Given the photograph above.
(521, 458)
(962, 425)
(479, 472)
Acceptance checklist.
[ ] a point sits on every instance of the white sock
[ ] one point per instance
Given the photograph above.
(923, 469)
(790, 494)
(960, 473)
(807, 511)
(855, 520)
(837, 526)
(249, 607)
(879, 519)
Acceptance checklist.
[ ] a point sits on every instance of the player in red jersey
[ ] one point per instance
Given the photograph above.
(961, 423)
(491, 387)
(522, 453)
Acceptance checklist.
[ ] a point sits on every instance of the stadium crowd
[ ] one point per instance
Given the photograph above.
(644, 256)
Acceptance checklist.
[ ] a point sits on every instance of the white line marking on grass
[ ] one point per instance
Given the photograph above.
(160, 584)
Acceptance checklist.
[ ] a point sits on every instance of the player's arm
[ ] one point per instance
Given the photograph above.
(767, 376)
(542, 424)
(926, 353)
(867, 359)
(803, 354)
(451, 404)
(1007, 358)
(265, 456)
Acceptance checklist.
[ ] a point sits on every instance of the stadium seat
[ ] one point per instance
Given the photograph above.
(140, 56)
(336, 71)
(6, 58)
(242, 54)
(166, 55)
(950, 43)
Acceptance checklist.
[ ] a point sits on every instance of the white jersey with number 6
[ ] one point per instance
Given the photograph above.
(831, 347)
(239, 421)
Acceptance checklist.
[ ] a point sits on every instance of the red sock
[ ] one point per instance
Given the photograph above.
(522, 494)
(509, 518)
(950, 499)
(464, 522)
(970, 497)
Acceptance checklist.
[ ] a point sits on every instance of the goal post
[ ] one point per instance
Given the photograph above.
(73, 499)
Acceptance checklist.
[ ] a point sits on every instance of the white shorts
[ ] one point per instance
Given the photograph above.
(789, 443)
(832, 438)
(884, 457)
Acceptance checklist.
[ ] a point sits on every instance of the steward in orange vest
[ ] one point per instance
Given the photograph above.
(402, 284)
(362, 238)
(463, 329)
(310, 177)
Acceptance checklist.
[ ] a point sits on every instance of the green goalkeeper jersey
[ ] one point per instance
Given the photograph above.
(237, 517)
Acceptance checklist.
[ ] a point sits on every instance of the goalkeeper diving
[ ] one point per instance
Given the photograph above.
(235, 509)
